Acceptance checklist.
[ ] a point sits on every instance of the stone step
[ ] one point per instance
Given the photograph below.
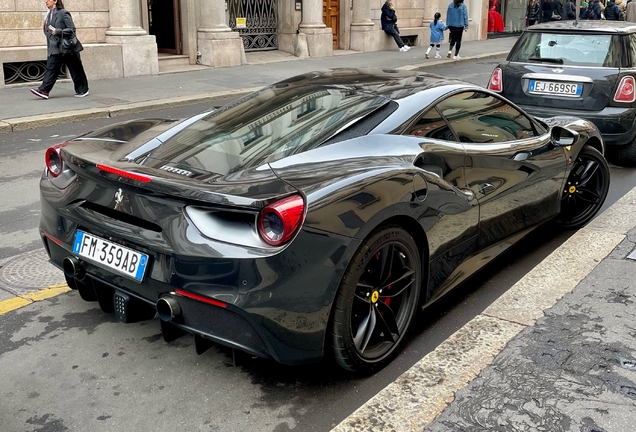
(180, 68)
(166, 61)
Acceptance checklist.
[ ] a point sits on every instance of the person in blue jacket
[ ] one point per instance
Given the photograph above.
(388, 19)
(437, 34)
(457, 22)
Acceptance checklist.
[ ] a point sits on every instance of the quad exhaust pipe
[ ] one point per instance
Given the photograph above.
(168, 308)
(74, 268)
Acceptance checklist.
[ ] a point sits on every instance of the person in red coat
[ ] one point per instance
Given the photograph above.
(495, 21)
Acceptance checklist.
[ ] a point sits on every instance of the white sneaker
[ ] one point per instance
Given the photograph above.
(407, 47)
(457, 57)
(403, 49)
(437, 56)
(449, 54)
(426, 55)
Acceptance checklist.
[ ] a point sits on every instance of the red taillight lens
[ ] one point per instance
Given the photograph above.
(496, 81)
(53, 159)
(125, 174)
(278, 222)
(625, 91)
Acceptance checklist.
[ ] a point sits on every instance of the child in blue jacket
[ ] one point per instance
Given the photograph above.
(437, 34)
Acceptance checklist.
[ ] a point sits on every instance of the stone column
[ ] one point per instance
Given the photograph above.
(319, 36)
(430, 7)
(218, 44)
(363, 36)
(138, 49)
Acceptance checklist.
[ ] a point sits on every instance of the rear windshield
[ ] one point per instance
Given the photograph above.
(267, 126)
(568, 49)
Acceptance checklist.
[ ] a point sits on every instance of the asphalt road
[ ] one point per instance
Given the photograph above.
(64, 365)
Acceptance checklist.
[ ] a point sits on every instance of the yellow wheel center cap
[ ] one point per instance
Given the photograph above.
(375, 296)
(572, 189)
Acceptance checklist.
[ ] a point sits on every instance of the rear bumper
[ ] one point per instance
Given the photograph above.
(617, 125)
(272, 310)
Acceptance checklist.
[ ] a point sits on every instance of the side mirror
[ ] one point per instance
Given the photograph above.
(562, 137)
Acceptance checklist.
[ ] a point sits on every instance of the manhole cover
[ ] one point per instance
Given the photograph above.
(30, 271)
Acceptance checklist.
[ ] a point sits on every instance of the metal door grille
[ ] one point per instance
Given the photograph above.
(261, 17)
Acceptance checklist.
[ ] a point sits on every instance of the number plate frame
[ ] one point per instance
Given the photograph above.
(532, 88)
(83, 249)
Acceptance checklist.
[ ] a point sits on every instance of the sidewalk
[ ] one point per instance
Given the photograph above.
(19, 109)
(556, 352)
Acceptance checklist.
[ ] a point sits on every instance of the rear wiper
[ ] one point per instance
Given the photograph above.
(546, 59)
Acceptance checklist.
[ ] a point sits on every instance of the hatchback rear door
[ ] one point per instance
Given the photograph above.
(563, 70)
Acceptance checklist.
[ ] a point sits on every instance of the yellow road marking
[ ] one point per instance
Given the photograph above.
(14, 303)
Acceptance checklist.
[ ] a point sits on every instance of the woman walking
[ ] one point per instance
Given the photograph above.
(57, 25)
(457, 22)
(532, 13)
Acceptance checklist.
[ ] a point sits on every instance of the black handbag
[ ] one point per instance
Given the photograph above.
(69, 42)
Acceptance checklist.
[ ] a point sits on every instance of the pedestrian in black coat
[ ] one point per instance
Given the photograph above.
(388, 19)
(58, 24)
(612, 11)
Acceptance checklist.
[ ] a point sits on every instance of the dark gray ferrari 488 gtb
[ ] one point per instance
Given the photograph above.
(312, 218)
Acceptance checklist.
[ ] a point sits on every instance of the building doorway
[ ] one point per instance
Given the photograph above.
(256, 21)
(165, 24)
(331, 18)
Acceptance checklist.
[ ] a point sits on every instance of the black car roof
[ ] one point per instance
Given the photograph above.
(622, 27)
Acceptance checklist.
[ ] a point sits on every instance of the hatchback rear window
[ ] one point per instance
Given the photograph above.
(568, 49)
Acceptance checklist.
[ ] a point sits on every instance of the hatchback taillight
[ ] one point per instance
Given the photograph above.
(279, 222)
(496, 81)
(53, 160)
(625, 91)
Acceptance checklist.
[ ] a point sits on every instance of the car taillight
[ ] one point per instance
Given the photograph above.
(125, 174)
(278, 222)
(496, 81)
(53, 159)
(625, 91)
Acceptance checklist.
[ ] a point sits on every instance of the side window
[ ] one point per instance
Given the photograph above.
(432, 125)
(477, 117)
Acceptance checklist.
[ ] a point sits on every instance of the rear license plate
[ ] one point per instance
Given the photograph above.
(121, 259)
(556, 88)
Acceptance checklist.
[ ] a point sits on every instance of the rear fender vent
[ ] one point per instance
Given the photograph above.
(120, 216)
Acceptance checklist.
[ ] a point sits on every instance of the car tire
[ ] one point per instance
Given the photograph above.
(376, 301)
(626, 155)
(585, 189)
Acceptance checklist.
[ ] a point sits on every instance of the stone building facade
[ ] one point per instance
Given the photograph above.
(124, 38)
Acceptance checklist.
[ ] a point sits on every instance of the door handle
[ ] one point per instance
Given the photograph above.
(486, 188)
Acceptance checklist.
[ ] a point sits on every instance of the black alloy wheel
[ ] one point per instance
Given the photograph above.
(376, 301)
(585, 189)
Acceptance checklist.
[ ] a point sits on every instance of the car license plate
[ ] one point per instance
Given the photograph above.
(112, 255)
(556, 88)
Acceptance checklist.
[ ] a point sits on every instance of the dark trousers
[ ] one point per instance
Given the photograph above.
(398, 40)
(456, 38)
(54, 65)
